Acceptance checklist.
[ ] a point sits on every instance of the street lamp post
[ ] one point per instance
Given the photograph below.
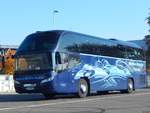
(54, 12)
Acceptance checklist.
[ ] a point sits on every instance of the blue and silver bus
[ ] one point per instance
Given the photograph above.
(66, 62)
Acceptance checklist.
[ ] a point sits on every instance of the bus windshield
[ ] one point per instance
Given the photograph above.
(39, 41)
(33, 62)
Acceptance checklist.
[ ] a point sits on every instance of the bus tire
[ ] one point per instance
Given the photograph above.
(83, 88)
(48, 95)
(130, 86)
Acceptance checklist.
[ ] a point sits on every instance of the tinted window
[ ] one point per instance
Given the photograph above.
(66, 61)
(39, 41)
(68, 43)
(136, 54)
(91, 45)
(86, 44)
(118, 51)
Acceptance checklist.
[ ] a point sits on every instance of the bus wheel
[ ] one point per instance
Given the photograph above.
(48, 95)
(83, 88)
(130, 86)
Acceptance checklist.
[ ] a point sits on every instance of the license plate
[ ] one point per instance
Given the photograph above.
(29, 86)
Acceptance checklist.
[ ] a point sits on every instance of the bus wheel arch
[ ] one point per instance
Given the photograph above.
(83, 87)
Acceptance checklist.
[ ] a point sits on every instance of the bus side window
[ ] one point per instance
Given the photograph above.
(61, 61)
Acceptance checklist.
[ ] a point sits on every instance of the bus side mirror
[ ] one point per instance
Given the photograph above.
(58, 58)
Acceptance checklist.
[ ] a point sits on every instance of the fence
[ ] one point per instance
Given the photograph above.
(6, 84)
(148, 81)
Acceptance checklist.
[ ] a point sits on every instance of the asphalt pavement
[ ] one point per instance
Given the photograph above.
(136, 102)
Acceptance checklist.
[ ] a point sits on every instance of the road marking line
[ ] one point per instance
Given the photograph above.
(69, 102)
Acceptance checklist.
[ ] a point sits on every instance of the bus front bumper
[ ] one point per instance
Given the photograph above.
(34, 88)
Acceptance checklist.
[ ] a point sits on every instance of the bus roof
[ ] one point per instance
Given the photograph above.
(114, 41)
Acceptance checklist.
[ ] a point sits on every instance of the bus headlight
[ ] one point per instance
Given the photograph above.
(47, 80)
(16, 82)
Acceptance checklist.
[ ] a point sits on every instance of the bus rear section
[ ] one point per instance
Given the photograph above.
(88, 73)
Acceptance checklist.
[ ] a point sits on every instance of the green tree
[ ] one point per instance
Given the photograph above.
(147, 38)
(148, 20)
(147, 41)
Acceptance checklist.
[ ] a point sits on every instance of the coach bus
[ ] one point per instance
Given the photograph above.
(66, 62)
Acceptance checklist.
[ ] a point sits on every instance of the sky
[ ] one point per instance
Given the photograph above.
(120, 19)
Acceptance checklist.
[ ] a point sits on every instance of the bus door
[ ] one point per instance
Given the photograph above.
(62, 77)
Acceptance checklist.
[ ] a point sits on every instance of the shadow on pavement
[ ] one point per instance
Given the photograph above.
(38, 97)
(20, 97)
(30, 97)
